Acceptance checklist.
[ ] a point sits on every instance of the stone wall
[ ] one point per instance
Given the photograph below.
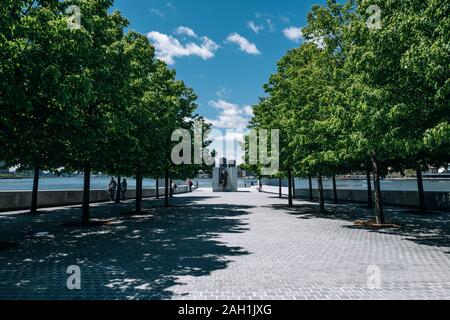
(18, 200)
(434, 200)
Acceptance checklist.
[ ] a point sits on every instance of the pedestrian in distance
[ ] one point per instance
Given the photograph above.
(173, 188)
(124, 188)
(112, 189)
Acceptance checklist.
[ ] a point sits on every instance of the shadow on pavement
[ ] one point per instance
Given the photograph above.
(133, 257)
(422, 228)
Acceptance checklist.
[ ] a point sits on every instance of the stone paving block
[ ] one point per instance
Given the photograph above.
(243, 246)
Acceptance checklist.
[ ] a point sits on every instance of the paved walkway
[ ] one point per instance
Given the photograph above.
(245, 245)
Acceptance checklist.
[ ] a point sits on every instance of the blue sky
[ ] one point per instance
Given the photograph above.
(225, 50)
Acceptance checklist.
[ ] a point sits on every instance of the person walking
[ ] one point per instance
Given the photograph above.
(190, 183)
(173, 188)
(112, 189)
(260, 185)
(124, 188)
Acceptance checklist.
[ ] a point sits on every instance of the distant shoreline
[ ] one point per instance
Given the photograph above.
(443, 177)
(343, 178)
(12, 178)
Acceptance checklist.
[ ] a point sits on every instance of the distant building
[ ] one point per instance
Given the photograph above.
(438, 172)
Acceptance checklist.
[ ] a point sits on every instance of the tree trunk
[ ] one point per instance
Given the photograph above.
(280, 191)
(138, 190)
(86, 193)
(34, 195)
(171, 189)
(157, 188)
(119, 189)
(379, 213)
(335, 195)
(311, 194)
(321, 197)
(422, 204)
(369, 190)
(293, 189)
(290, 202)
(166, 188)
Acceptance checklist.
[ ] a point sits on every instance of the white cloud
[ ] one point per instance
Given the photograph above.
(293, 33)
(181, 30)
(256, 28)
(223, 92)
(231, 124)
(227, 143)
(243, 43)
(168, 47)
(284, 19)
(264, 21)
(270, 25)
(157, 12)
(318, 41)
(248, 111)
(231, 115)
(296, 34)
(231, 136)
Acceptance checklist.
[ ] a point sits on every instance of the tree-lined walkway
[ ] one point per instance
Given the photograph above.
(238, 245)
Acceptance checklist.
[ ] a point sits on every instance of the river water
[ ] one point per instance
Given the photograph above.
(101, 183)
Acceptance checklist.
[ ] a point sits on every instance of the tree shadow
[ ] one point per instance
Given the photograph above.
(7, 245)
(431, 229)
(132, 257)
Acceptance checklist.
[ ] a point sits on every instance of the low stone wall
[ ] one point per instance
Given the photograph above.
(434, 200)
(20, 200)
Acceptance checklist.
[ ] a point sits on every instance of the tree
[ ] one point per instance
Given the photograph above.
(130, 138)
(356, 96)
(425, 28)
(35, 106)
(326, 118)
(96, 87)
(174, 107)
(394, 105)
(86, 97)
(299, 93)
